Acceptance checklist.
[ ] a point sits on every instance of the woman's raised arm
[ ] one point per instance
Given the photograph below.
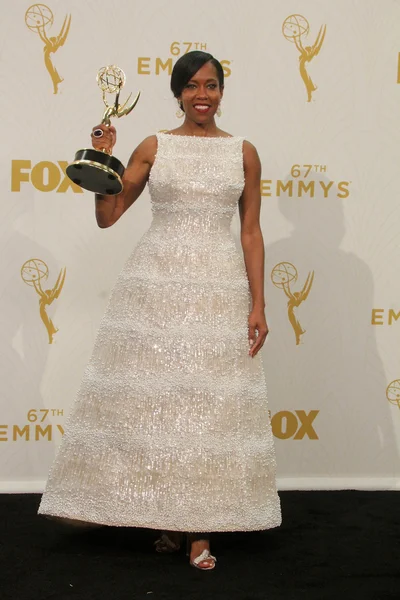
(110, 208)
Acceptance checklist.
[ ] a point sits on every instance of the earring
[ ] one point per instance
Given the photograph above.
(219, 111)
(180, 113)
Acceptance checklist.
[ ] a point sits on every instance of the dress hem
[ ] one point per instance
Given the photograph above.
(159, 526)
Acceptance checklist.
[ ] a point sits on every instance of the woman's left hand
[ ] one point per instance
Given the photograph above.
(257, 322)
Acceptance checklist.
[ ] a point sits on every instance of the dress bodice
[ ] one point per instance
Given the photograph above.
(195, 185)
(200, 178)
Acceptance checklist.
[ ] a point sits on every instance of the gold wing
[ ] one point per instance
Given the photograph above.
(307, 287)
(125, 111)
(62, 36)
(56, 291)
(318, 42)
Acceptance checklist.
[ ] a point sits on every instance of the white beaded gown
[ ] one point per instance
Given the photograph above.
(170, 428)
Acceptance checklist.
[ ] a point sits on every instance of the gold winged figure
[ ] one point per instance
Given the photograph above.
(47, 297)
(307, 53)
(52, 44)
(116, 110)
(295, 299)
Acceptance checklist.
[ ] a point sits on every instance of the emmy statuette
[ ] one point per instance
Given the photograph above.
(97, 170)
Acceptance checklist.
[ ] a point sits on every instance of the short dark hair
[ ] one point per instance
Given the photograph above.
(188, 64)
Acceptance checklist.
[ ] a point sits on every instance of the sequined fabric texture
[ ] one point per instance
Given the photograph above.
(170, 428)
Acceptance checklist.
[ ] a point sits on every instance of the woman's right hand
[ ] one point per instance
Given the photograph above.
(107, 140)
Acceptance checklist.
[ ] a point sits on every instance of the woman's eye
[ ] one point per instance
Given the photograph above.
(212, 86)
(190, 85)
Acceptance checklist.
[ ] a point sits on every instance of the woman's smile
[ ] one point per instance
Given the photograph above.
(202, 108)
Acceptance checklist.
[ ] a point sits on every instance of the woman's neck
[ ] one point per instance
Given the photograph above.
(200, 130)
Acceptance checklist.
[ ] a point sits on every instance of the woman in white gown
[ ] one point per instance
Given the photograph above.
(170, 429)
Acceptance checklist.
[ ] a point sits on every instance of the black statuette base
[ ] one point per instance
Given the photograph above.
(97, 172)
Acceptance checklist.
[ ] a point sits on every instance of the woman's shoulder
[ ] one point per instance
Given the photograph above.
(248, 146)
(150, 140)
(148, 144)
(249, 149)
(251, 159)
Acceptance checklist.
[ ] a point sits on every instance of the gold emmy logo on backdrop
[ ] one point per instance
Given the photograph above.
(147, 65)
(37, 429)
(283, 275)
(384, 316)
(33, 272)
(294, 28)
(393, 392)
(296, 185)
(38, 17)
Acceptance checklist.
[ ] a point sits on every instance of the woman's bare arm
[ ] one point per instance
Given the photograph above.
(253, 245)
(251, 235)
(110, 208)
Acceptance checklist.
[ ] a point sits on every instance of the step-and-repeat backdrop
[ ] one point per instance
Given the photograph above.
(315, 85)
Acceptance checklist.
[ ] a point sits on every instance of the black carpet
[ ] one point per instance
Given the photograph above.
(331, 545)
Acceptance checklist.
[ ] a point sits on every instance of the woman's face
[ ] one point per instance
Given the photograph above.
(202, 94)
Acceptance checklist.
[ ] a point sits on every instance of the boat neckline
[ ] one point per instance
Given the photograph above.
(201, 137)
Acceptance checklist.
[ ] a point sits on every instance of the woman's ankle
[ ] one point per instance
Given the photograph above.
(195, 536)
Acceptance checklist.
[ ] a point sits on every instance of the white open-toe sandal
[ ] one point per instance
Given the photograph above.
(203, 557)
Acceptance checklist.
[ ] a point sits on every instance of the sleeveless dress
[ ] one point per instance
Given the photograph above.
(170, 428)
